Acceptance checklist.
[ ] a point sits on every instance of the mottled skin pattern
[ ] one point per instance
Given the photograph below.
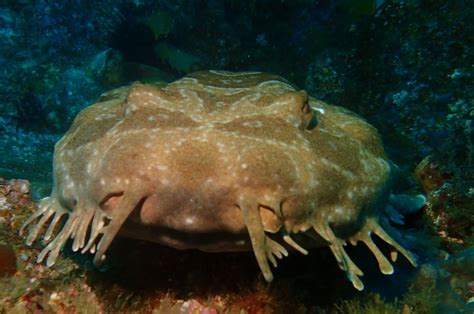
(218, 161)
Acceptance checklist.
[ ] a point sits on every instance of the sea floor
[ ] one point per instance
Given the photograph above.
(141, 277)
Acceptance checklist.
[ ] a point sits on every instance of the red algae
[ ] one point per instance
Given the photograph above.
(7, 261)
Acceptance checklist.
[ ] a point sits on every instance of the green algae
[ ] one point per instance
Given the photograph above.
(368, 304)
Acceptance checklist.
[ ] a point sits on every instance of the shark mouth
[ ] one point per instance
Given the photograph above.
(93, 229)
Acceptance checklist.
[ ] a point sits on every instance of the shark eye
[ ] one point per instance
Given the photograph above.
(313, 122)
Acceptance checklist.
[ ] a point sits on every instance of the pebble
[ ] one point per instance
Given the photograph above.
(194, 306)
(54, 296)
(3, 203)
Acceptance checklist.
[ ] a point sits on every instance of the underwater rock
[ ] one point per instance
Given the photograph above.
(20, 186)
(73, 91)
(107, 68)
(451, 281)
(449, 206)
(145, 73)
(16, 192)
(161, 23)
(429, 175)
(460, 271)
(219, 161)
(178, 59)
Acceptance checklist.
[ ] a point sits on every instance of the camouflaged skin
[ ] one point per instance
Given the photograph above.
(217, 161)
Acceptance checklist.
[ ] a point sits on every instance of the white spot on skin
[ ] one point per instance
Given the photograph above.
(163, 116)
(253, 124)
(339, 211)
(243, 166)
(89, 168)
